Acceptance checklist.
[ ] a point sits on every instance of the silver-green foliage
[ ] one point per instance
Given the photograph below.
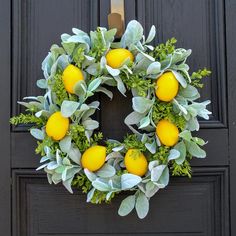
(88, 52)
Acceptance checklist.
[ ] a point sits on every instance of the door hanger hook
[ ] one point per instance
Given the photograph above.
(116, 17)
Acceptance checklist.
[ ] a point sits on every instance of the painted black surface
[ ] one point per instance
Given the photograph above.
(205, 205)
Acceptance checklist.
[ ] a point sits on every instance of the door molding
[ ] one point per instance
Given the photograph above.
(5, 64)
(230, 9)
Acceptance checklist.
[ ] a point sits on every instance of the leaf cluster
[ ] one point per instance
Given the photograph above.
(162, 50)
(78, 56)
(98, 48)
(138, 82)
(196, 77)
(46, 142)
(82, 182)
(132, 141)
(77, 133)
(59, 90)
(164, 110)
(161, 155)
(183, 169)
(27, 119)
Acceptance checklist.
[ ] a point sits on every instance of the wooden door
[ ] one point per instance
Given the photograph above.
(204, 205)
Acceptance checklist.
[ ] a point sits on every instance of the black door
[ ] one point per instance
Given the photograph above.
(204, 205)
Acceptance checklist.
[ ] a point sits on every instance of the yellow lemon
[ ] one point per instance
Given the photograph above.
(94, 158)
(57, 126)
(116, 57)
(70, 76)
(167, 132)
(167, 87)
(135, 162)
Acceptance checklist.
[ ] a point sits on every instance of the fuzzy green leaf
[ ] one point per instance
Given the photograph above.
(182, 150)
(195, 150)
(141, 104)
(127, 205)
(37, 133)
(107, 171)
(68, 108)
(142, 205)
(65, 144)
(128, 181)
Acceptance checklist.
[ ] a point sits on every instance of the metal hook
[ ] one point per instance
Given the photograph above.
(116, 17)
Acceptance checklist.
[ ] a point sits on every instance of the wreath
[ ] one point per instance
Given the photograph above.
(165, 110)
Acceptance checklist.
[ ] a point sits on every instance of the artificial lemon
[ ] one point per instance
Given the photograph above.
(116, 57)
(167, 132)
(135, 162)
(57, 126)
(94, 158)
(167, 87)
(70, 76)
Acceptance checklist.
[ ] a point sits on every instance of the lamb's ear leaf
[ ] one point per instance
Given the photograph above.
(68, 108)
(151, 34)
(141, 104)
(154, 68)
(90, 124)
(65, 144)
(90, 175)
(182, 150)
(144, 122)
(106, 171)
(195, 150)
(75, 155)
(156, 172)
(174, 154)
(164, 179)
(42, 83)
(80, 88)
(133, 118)
(127, 205)
(105, 91)
(151, 189)
(90, 194)
(142, 205)
(113, 72)
(37, 133)
(180, 78)
(94, 84)
(120, 85)
(67, 184)
(133, 33)
(129, 181)
(101, 185)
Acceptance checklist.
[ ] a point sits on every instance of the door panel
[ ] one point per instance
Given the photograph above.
(197, 206)
(36, 26)
(198, 25)
(187, 207)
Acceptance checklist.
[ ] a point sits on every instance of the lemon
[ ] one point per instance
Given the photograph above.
(57, 126)
(167, 87)
(94, 158)
(167, 132)
(116, 57)
(70, 76)
(135, 162)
